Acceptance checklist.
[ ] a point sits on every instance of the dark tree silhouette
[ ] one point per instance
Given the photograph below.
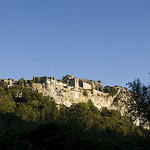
(140, 102)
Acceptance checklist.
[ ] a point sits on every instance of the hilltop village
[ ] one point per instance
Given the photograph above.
(75, 82)
(68, 80)
(71, 90)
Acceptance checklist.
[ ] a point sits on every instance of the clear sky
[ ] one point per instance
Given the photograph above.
(107, 40)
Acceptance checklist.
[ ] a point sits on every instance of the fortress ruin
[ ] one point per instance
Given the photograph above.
(68, 79)
(84, 83)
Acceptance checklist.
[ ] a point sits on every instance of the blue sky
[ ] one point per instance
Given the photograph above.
(107, 40)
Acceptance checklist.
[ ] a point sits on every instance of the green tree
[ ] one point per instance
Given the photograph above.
(15, 92)
(141, 95)
(2, 92)
(7, 105)
(85, 93)
(112, 91)
(101, 89)
(49, 112)
(37, 79)
(29, 82)
(33, 79)
(21, 81)
(26, 112)
(99, 81)
(4, 85)
(80, 116)
(93, 108)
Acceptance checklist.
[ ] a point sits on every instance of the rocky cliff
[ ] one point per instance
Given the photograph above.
(65, 94)
(71, 90)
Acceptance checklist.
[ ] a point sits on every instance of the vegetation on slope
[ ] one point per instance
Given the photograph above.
(29, 120)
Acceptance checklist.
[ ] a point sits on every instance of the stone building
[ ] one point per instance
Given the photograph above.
(97, 86)
(94, 84)
(84, 83)
(71, 80)
(47, 79)
(9, 81)
(44, 79)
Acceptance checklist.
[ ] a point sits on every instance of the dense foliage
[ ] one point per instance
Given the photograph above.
(29, 120)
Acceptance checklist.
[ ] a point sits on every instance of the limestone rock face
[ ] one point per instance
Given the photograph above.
(68, 95)
(65, 94)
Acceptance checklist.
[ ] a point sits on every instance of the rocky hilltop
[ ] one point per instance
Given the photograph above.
(71, 90)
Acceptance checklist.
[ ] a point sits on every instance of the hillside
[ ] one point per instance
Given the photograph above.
(43, 113)
(71, 90)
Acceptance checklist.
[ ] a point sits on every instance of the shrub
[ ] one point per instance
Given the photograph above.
(21, 81)
(99, 81)
(105, 111)
(116, 99)
(2, 92)
(7, 105)
(93, 108)
(29, 82)
(85, 93)
(98, 94)
(112, 91)
(37, 80)
(4, 85)
(101, 89)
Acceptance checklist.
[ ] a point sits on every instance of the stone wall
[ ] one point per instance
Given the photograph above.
(44, 79)
(86, 85)
(47, 79)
